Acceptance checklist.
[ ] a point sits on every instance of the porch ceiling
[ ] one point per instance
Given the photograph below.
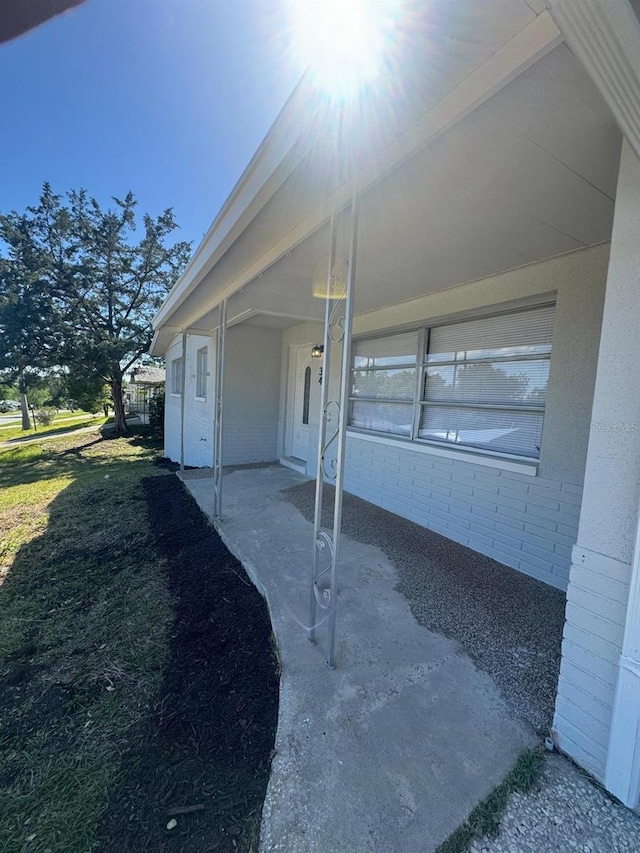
(526, 176)
(529, 175)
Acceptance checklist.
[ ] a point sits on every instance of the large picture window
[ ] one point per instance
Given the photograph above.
(478, 383)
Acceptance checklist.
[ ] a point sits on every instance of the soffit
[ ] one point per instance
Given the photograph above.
(529, 175)
(445, 43)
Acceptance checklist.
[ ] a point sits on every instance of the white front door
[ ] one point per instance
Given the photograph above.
(300, 411)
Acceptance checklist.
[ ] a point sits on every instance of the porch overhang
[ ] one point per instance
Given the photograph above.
(307, 169)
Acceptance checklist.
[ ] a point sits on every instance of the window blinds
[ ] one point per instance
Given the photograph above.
(505, 335)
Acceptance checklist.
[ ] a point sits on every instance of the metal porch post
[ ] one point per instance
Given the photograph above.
(218, 410)
(183, 382)
(332, 437)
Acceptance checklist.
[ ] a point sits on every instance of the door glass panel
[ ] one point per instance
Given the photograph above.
(306, 395)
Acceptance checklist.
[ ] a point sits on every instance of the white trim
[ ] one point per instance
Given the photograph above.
(460, 454)
(292, 462)
(289, 409)
(605, 36)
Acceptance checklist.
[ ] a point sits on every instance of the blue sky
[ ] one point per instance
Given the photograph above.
(168, 98)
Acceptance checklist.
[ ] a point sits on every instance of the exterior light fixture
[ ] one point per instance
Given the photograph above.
(316, 352)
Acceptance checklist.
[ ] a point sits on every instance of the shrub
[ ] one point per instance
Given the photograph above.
(45, 415)
(156, 413)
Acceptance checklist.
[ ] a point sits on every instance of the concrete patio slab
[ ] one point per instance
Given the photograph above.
(392, 749)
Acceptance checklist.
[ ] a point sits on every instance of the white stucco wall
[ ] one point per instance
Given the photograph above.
(252, 395)
(601, 568)
(526, 522)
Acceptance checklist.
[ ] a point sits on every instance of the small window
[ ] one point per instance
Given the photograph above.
(176, 376)
(383, 383)
(202, 373)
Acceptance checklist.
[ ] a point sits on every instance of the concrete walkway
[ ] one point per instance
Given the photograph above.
(391, 750)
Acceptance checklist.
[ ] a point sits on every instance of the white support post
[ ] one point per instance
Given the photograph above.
(325, 418)
(183, 378)
(218, 410)
(616, 500)
(331, 451)
(622, 776)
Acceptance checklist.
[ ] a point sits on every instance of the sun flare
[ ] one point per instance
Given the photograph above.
(342, 43)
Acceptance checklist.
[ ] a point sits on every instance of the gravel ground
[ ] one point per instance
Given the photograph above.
(511, 626)
(567, 812)
(508, 623)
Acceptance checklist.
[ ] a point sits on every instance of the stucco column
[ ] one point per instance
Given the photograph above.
(623, 759)
(598, 706)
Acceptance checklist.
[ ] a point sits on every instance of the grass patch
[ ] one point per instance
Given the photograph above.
(485, 818)
(86, 616)
(62, 423)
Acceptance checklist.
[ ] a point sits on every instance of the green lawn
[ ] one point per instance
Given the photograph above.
(83, 635)
(62, 422)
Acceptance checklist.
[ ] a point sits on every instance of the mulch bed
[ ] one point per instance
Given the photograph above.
(208, 745)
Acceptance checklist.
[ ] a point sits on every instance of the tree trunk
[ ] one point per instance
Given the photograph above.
(24, 406)
(119, 421)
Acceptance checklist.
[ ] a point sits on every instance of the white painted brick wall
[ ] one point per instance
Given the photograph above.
(247, 441)
(172, 407)
(596, 613)
(525, 522)
(198, 414)
(252, 377)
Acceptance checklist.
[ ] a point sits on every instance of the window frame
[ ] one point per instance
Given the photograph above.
(202, 375)
(176, 376)
(420, 403)
(408, 402)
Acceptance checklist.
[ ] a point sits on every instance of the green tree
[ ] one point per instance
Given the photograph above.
(89, 393)
(107, 277)
(30, 335)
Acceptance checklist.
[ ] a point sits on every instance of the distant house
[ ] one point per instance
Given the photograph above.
(143, 383)
(492, 382)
